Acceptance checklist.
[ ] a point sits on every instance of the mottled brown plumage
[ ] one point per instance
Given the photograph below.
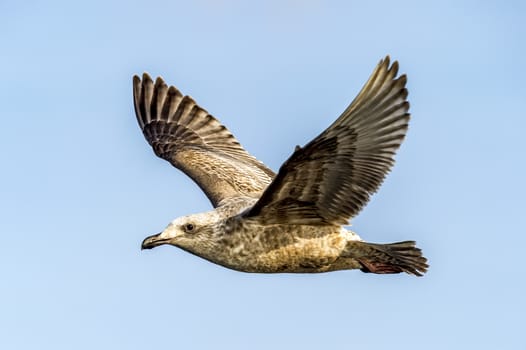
(290, 221)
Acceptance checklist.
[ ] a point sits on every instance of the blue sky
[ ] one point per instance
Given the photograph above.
(80, 188)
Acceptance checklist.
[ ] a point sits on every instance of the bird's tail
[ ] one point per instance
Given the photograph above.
(389, 258)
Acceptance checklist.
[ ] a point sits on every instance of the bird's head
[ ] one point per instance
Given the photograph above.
(188, 232)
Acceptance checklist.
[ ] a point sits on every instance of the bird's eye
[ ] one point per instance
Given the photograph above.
(189, 227)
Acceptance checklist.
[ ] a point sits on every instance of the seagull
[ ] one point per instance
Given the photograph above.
(293, 221)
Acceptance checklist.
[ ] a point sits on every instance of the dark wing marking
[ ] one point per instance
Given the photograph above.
(192, 140)
(331, 179)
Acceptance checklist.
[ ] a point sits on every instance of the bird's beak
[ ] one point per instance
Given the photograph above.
(153, 241)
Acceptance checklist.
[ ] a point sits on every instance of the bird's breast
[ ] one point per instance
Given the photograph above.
(282, 248)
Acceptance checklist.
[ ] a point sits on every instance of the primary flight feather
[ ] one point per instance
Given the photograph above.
(290, 221)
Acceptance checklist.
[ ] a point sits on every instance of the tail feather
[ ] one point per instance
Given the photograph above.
(392, 258)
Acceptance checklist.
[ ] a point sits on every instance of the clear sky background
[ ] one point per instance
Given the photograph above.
(80, 187)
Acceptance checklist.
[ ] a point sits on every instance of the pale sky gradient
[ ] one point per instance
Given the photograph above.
(80, 187)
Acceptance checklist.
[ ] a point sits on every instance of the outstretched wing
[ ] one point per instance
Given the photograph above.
(192, 140)
(331, 179)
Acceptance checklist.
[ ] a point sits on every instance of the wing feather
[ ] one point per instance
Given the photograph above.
(192, 140)
(332, 178)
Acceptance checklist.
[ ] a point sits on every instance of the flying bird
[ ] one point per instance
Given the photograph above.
(293, 221)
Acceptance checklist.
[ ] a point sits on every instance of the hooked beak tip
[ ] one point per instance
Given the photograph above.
(152, 242)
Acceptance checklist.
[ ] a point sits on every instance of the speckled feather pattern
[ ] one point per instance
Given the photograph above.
(290, 221)
(187, 136)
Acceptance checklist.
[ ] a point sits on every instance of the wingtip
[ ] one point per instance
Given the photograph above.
(394, 68)
(386, 60)
(147, 80)
(159, 82)
(137, 79)
(146, 77)
(388, 65)
(172, 90)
